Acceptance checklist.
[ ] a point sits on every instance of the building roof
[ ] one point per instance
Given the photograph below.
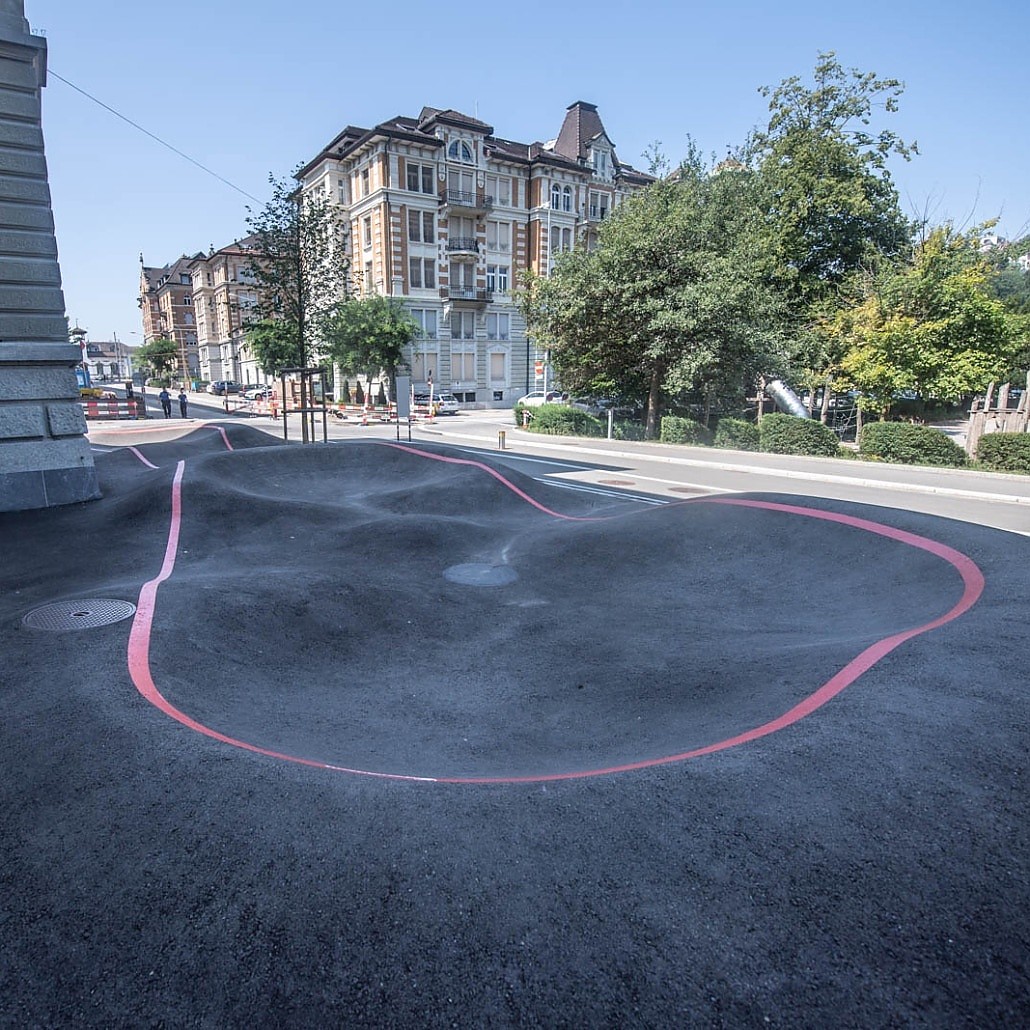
(581, 127)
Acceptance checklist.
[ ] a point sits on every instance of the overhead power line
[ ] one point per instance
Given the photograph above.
(157, 139)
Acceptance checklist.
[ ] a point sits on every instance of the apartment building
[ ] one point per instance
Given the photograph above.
(444, 215)
(166, 304)
(223, 296)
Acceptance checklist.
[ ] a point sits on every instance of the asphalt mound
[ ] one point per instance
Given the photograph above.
(327, 616)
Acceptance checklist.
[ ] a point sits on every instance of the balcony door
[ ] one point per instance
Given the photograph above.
(461, 181)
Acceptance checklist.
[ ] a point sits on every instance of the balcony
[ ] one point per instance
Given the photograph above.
(466, 294)
(464, 200)
(462, 246)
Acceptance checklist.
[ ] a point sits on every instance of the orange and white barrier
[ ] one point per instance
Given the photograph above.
(111, 408)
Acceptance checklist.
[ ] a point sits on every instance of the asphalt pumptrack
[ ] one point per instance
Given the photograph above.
(385, 734)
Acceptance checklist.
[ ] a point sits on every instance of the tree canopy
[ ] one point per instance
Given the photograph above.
(161, 356)
(368, 336)
(300, 269)
(674, 298)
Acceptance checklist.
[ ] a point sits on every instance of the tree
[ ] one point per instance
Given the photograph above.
(301, 271)
(368, 337)
(829, 195)
(674, 298)
(931, 326)
(160, 356)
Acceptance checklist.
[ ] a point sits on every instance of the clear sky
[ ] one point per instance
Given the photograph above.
(250, 89)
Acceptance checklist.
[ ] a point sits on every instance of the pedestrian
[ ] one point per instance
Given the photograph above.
(183, 402)
(166, 401)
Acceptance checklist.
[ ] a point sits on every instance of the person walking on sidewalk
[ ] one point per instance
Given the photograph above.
(183, 402)
(166, 401)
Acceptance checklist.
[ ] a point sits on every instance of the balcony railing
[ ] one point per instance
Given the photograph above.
(466, 244)
(466, 199)
(467, 294)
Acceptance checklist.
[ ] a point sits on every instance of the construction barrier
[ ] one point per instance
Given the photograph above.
(111, 408)
(364, 415)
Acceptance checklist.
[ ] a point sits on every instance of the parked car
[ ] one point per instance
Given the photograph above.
(221, 387)
(446, 404)
(538, 397)
(258, 393)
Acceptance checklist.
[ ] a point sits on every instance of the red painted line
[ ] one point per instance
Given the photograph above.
(973, 585)
(497, 475)
(138, 453)
(225, 439)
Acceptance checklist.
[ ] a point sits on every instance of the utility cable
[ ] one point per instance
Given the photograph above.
(157, 139)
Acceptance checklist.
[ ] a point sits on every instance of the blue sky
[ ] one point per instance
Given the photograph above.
(252, 89)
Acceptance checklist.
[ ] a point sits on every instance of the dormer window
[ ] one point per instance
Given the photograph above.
(601, 163)
(459, 150)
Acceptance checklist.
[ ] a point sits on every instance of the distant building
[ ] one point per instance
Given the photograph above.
(107, 361)
(224, 295)
(444, 215)
(166, 304)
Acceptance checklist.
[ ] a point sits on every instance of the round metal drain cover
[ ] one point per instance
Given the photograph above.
(479, 574)
(85, 614)
(687, 489)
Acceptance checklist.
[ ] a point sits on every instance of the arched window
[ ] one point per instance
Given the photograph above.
(556, 197)
(459, 150)
(566, 200)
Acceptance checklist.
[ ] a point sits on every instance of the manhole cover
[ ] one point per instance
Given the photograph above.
(479, 574)
(84, 614)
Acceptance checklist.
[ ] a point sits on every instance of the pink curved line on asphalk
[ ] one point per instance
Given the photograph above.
(150, 464)
(139, 454)
(972, 579)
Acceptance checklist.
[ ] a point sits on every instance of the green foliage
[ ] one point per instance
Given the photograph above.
(684, 430)
(159, 357)
(738, 435)
(1004, 452)
(628, 431)
(674, 296)
(368, 336)
(906, 444)
(931, 326)
(561, 420)
(299, 266)
(274, 345)
(786, 434)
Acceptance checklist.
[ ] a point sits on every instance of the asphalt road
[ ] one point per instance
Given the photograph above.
(408, 737)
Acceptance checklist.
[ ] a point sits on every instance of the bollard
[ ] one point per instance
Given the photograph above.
(500, 439)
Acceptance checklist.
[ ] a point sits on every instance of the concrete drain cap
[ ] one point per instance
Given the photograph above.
(479, 574)
(84, 614)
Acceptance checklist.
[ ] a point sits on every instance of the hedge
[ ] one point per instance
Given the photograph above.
(907, 444)
(684, 430)
(562, 420)
(737, 434)
(1005, 452)
(787, 434)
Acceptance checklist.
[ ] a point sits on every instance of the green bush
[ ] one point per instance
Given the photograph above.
(738, 435)
(684, 430)
(787, 434)
(561, 420)
(1005, 452)
(908, 444)
(627, 431)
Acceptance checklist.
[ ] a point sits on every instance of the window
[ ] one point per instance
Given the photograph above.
(556, 197)
(601, 162)
(420, 178)
(499, 187)
(498, 236)
(497, 279)
(187, 319)
(561, 239)
(498, 370)
(422, 273)
(463, 360)
(366, 231)
(463, 327)
(461, 277)
(187, 299)
(184, 279)
(598, 205)
(368, 277)
(426, 318)
(498, 326)
(341, 186)
(421, 227)
(566, 199)
(459, 150)
(365, 182)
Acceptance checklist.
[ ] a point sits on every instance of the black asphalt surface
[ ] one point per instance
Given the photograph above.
(398, 741)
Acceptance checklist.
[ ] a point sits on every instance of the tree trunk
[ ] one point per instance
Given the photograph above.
(654, 400)
(827, 393)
